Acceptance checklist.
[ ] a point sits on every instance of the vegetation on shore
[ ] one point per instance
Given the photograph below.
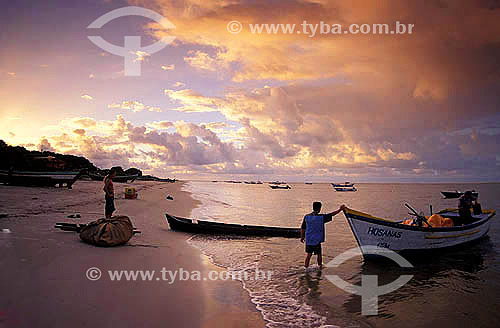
(20, 159)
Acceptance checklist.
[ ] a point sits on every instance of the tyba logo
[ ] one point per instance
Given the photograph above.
(132, 44)
(369, 289)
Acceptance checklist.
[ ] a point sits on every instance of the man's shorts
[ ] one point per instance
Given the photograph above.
(110, 205)
(315, 249)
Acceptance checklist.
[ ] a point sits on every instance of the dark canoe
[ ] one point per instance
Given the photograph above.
(40, 179)
(457, 194)
(208, 227)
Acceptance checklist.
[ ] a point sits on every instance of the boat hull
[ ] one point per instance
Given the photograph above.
(345, 189)
(39, 179)
(207, 227)
(280, 187)
(343, 185)
(372, 231)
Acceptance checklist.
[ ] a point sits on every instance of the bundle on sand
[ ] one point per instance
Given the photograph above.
(108, 232)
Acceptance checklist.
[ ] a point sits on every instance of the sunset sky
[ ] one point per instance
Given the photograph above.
(420, 107)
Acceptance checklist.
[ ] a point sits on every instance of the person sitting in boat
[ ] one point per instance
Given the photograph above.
(313, 231)
(465, 204)
(109, 196)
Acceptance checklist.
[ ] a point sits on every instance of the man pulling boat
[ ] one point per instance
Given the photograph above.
(313, 231)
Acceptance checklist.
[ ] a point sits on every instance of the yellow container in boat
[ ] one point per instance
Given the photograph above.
(130, 193)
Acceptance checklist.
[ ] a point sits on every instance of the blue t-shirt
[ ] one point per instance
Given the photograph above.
(314, 225)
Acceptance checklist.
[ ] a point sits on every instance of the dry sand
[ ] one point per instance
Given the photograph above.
(43, 279)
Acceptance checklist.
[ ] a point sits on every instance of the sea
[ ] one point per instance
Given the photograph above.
(458, 287)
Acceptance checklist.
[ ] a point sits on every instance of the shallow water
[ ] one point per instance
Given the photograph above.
(459, 287)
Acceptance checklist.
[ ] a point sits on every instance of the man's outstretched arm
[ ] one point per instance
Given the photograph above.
(328, 217)
(341, 208)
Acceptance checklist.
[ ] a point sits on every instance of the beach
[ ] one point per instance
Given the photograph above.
(44, 279)
(43, 276)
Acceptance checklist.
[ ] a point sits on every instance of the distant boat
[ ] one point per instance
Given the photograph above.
(118, 178)
(40, 179)
(457, 194)
(308, 183)
(207, 227)
(343, 185)
(345, 189)
(396, 236)
(280, 187)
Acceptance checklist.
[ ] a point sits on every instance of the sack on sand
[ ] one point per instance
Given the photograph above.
(108, 232)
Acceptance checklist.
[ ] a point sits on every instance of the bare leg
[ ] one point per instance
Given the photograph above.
(320, 260)
(308, 259)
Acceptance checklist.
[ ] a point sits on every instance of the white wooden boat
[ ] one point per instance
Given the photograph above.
(372, 231)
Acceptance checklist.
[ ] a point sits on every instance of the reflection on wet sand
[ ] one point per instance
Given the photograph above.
(310, 282)
(435, 275)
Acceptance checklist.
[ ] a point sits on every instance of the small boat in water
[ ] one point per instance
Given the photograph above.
(396, 236)
(457, 194)
(343, 185)
(208, 227)
(345, 188)
(280, 187)
(118, 178)
(40, 179)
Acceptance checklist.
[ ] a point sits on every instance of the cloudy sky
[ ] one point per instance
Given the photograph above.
(398, 107)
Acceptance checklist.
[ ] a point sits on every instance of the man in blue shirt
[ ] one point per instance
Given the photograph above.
(313, 231)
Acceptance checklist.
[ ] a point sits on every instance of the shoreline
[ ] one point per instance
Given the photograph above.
(44, 269)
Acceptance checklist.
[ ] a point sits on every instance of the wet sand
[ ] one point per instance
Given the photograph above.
(43, 279)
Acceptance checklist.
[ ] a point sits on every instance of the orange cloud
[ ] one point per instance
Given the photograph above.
(168, 67)
(134, 106)
(86, 97)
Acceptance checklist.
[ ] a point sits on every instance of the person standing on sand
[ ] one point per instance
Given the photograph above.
(313, 231)
(109, 196)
